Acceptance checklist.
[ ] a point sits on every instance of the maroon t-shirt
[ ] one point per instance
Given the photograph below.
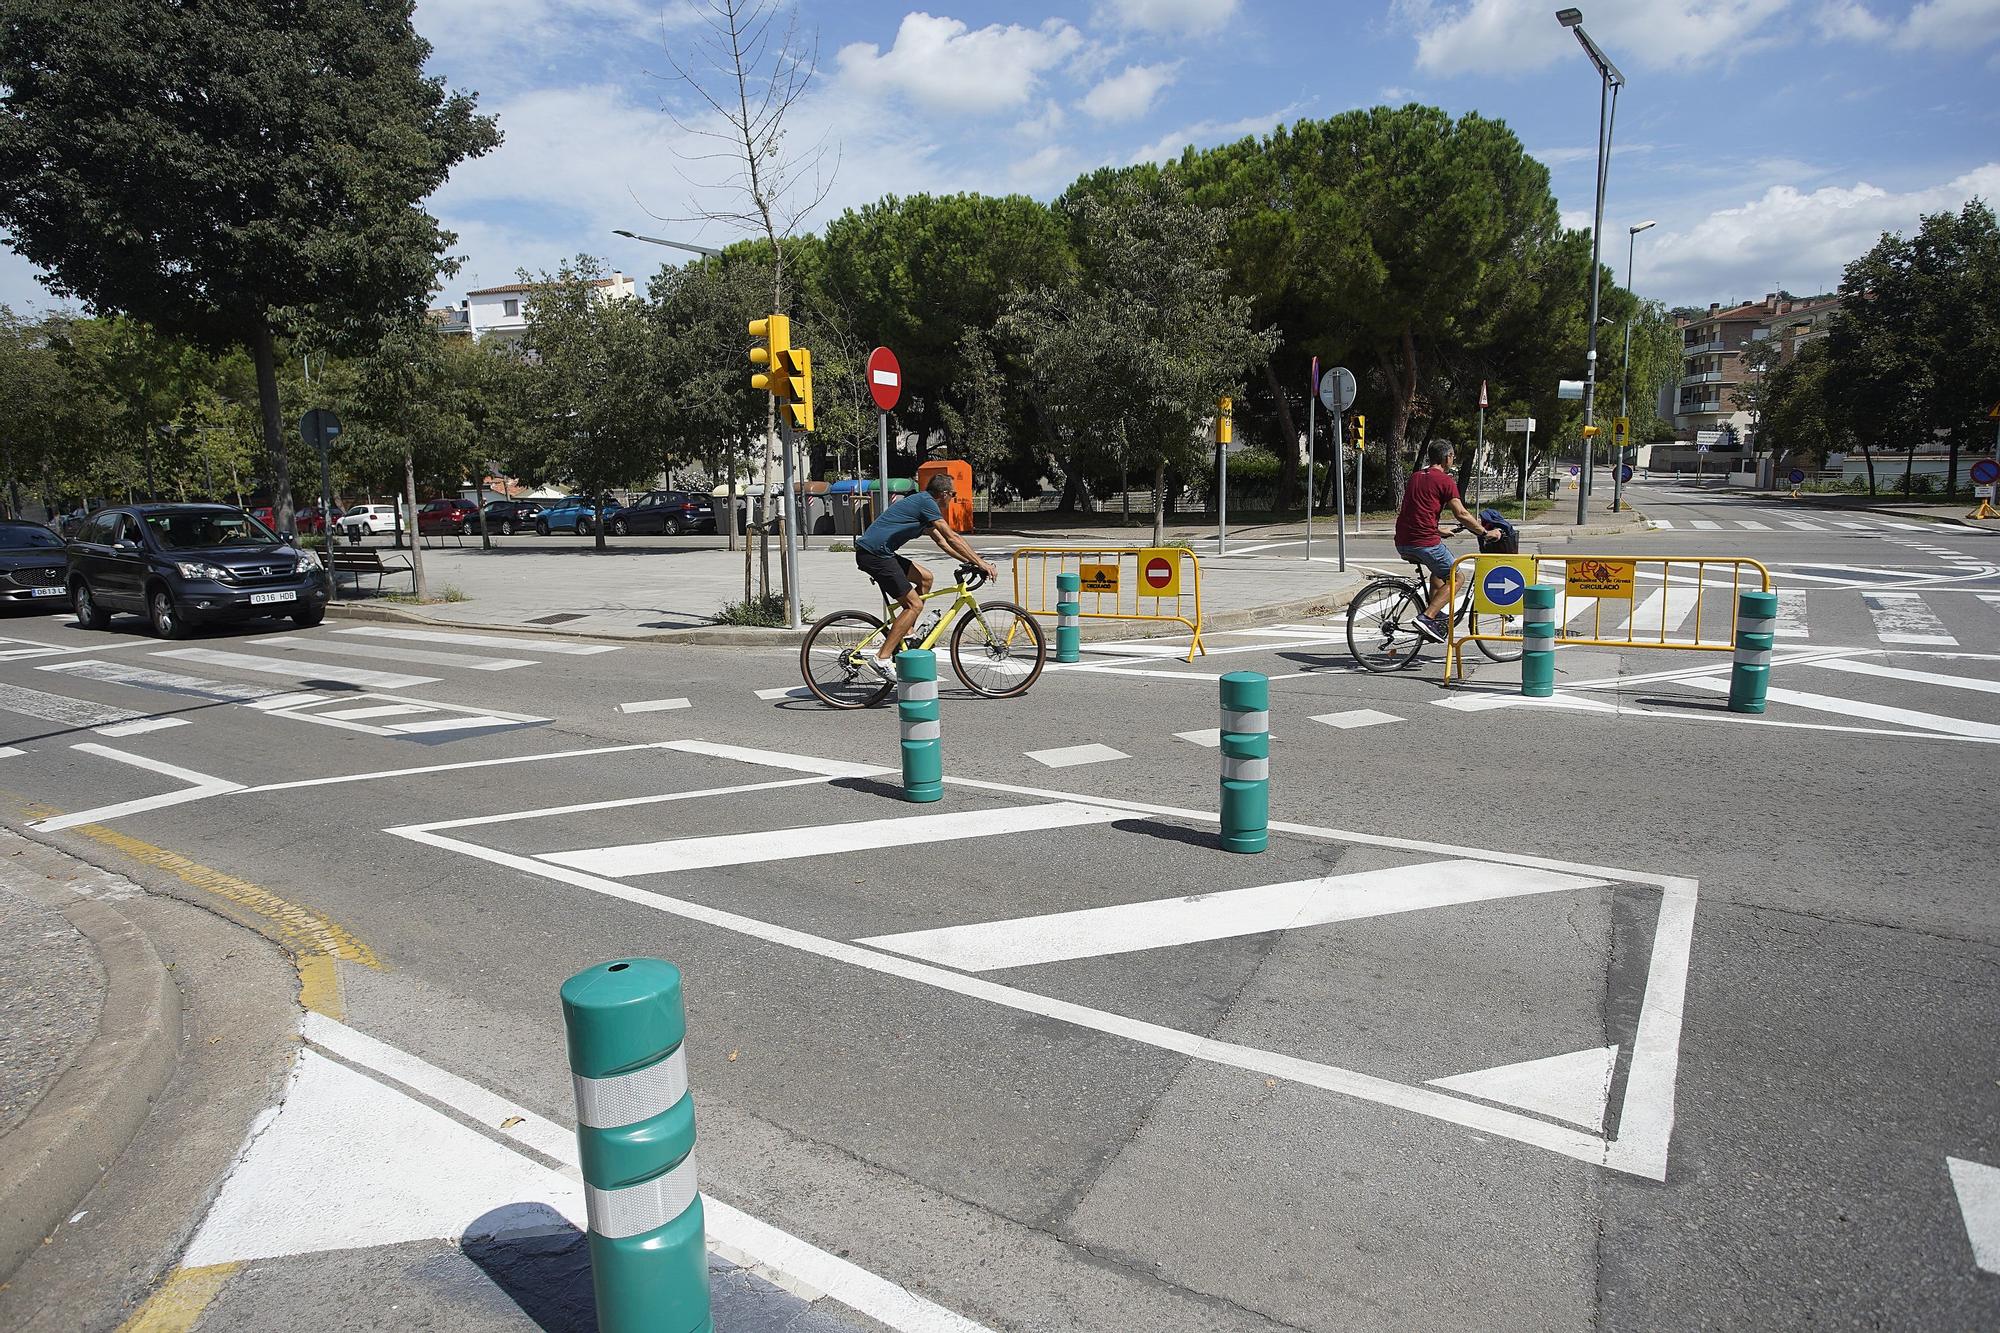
(1429, 491)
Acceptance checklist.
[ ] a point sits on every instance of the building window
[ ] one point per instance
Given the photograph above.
(512, 307)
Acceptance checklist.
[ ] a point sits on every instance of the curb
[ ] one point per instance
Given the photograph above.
(94, 1108)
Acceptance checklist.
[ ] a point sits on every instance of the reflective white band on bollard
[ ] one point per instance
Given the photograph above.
(626, 1099)
(637, 1209)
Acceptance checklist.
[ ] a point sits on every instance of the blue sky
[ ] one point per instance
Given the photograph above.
(1772, 140)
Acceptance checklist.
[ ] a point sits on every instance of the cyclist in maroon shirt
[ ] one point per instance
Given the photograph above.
(1418, 539)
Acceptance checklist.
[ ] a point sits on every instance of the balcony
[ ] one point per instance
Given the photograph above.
(1702, 405)
(1702, 377)
(1703, 349)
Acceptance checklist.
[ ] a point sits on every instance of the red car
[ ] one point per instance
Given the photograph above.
(305, 520)
(446, 516)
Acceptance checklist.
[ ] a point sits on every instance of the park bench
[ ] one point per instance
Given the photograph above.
(364, 562)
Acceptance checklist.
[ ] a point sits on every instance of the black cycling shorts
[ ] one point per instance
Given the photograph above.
(894, 575)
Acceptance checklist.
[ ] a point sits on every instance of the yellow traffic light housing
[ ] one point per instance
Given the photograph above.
(776, 331)
(1360, 431)
(1621, 430)
(797, 402)
(1225, 431)
(1590, 432)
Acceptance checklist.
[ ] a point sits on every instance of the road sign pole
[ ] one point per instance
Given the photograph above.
(1222, 499)
(1479, 451)
(1339, 492)
(326, 519)
(881, 465)
(788, 554)
(1312, 467)
(1527, 452)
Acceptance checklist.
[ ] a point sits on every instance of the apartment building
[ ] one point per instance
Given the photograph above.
(1713, 356)
(501, 312)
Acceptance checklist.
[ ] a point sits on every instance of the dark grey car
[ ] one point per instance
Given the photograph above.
(187, 565)
(32, 566)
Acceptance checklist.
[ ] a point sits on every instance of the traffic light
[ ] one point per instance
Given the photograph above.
(1621, 431)
(776, 331)
(1360, 431)
(798, 407)
(1590, 432)
(1225, 430)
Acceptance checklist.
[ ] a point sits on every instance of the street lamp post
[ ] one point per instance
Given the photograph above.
(1625, 387)
(655, 240)
(1607, 112)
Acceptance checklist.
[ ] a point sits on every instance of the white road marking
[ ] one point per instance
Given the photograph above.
(735, 1235)
(423, 769)
(373, 710)
(1752, 525)
(1791, 618)
(316, 671)
(1572, 1087)
(1647, 1111)
(9, 751)
(1665, 524)
(1902, 617)
(654, 705)
(281, 702)
(388, 653)
(672, 855)
(165, 682)
(788, 692)
(1803, 526)
(463, 722)
(797, 763)
(142, 726)
(1356, 717)
(1211, 737)
(1860, 668)
(1903, 717)
(531, 642)
(1662, 612)
(1705, 525)
(61, 708)
(1108, 670)
(1846, 523)
(1095, 932)
(1071, 756)
(1486, 703)
(1978, 1188)
(204, 786)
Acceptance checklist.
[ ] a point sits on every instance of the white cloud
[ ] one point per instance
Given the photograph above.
(1129, 95)
(1791, 238)
(1170, 16)
(501, 44)
(1521, 36)
(1850, 20)
(944, 66)
(1045, 125)
(1947, 24)
(1207, 133)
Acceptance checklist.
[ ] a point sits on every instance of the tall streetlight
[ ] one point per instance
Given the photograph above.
(655, 240)
(1607, 112)
(1625, 388)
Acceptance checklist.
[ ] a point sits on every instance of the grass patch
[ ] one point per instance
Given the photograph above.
(765, 612)
(840, 546)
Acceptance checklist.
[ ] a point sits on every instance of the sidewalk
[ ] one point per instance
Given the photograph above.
(648, 590)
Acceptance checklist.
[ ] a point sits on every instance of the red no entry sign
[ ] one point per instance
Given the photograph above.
(1159, 573)
(885, 379)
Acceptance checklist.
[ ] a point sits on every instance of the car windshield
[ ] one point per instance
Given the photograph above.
(28, 539)
(207, 528)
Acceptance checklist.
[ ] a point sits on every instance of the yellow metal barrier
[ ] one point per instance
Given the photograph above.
(1625, 601)
(1118, 583)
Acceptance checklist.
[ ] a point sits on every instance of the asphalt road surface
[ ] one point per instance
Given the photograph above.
(1620, 1011)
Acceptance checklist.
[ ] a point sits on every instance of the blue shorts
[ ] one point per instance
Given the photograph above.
(1437, 559)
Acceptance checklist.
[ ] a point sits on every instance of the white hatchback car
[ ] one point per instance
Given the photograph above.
(368, 519)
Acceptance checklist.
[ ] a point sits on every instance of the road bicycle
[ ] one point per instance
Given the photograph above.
(1382, 622)
(997, 649)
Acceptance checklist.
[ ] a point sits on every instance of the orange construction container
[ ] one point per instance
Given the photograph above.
(959, 512)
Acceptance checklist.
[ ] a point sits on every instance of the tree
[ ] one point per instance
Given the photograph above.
(231, 171)
(978, 432)
(1149, 336)
(594, 416)
(49, 420)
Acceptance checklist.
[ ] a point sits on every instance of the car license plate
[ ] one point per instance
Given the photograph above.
(47, 592)
(264, 598)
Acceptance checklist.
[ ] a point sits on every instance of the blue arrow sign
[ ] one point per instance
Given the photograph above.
(1798, 475)
(1625, 472)
(1504, 586)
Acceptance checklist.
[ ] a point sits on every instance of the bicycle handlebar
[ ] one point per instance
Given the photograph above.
(972, 576)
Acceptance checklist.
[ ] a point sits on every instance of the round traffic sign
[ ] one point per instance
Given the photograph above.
(885, 379)
(1574, 470)
(1503, 586)
(1625, 472)
(1985, 472)
(1336, 389)
(1159, 572)
(321, 428)
(1797, 475)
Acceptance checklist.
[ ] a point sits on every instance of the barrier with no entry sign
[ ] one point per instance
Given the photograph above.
(1114, 583)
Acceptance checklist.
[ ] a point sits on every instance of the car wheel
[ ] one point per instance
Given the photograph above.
(308, 616)
(465, 528)
(671, 528)
(506, 527)
(620, 528)
(165, 619)
(89, 614)
(541, 528)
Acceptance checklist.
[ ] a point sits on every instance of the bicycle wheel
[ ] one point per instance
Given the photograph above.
(1482, 622)
(1382, 625)
(830, 660)
(1003, 655)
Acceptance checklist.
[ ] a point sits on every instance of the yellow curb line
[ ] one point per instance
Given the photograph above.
(180, 1301)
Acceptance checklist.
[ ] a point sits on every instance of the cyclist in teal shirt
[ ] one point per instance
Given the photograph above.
(904, 581)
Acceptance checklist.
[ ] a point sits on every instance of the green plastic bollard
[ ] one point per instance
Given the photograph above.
(917, 715)
(1538, 641)
(1750, 677)
(1246, 762)
(635, 1139)
(1069, 618)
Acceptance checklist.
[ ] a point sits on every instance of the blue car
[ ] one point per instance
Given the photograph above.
(573, 513)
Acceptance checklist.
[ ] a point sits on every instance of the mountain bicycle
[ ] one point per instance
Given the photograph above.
(997, 649)
(1382, 622)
